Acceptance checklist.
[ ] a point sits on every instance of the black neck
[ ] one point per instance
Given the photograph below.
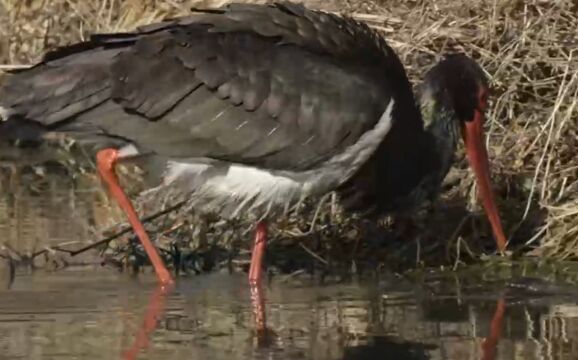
(410, 165)
(440, 125)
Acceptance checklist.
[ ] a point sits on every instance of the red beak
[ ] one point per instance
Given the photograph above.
(473, 134)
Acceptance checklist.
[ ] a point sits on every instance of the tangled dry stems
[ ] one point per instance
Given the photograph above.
(526, 47)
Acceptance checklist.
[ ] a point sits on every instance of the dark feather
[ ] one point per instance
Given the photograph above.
(280, 86)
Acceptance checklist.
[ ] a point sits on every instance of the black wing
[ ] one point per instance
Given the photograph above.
(279, 86)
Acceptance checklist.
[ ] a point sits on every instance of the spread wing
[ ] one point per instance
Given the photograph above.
(280, 86)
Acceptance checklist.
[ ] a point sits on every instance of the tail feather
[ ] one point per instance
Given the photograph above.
(46, 98)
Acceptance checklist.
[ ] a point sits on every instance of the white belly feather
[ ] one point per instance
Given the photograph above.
(231, 190)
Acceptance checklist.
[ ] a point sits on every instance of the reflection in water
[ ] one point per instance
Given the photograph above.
(379, 347)
(154, 310)
(46, 207)
(264, 334)
(105, 316)
(490, 343)
(7, 273)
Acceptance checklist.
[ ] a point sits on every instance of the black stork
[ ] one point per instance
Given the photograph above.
(246, 110)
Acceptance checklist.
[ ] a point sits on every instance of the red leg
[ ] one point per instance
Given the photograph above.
(489, 346)
(106, 160)
(258, 301)
(256, 271)
(255, 276)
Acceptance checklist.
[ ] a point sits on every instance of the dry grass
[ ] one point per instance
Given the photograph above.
(526, 47)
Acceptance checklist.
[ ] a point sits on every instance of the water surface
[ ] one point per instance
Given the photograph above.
(104, 315)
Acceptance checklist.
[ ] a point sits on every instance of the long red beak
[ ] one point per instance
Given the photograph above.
(473, 133)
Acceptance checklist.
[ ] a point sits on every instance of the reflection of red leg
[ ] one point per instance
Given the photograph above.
(491, 342)
(106, 160)
(258, 301)
(255, 277)
(154, 310)
(256, 271)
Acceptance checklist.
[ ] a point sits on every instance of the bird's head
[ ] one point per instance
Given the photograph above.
(457, 89)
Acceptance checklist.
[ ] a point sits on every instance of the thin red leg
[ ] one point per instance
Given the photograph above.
(105, 161)
(489, 346)
(258, 301)
(151, 318)
(256, 269)
(255, 277)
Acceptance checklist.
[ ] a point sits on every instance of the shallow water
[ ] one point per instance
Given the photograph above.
(103, 315)
(57, 312)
